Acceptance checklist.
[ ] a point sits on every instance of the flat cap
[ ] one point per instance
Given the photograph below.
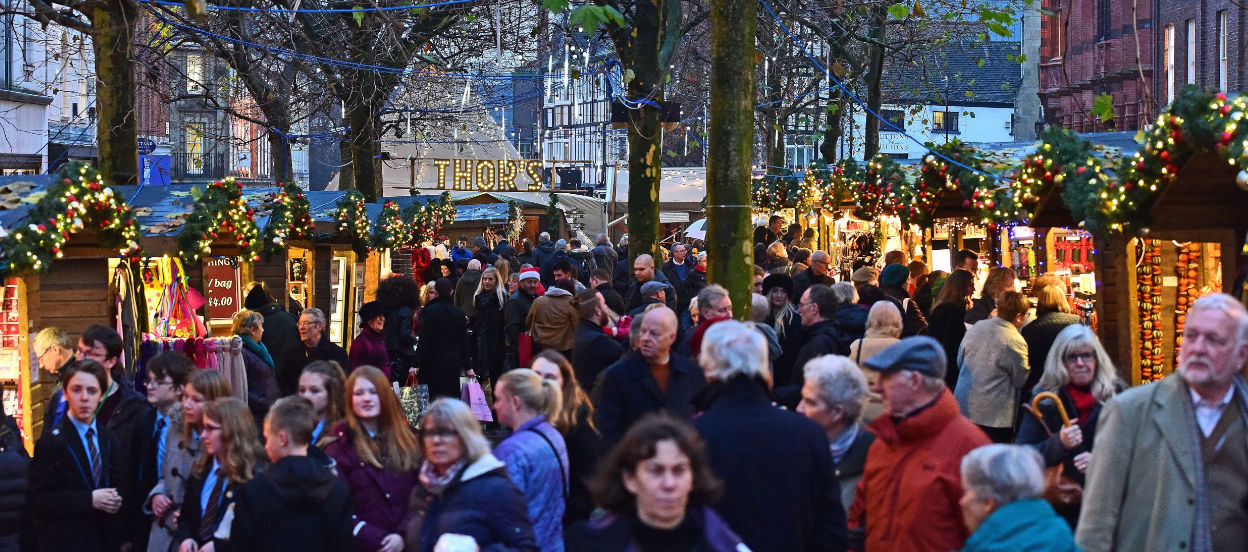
(865, 275)
(920, 354)
(652, 287)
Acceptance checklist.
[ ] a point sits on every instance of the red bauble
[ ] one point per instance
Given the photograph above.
(1176, 135)
(1220, 96)
(1226, 137)
(1164, 156)
(1079, 170)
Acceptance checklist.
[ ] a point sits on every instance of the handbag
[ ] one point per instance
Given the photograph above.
(414, 399)
(1060, 489)
(524, 349)
(470, 392)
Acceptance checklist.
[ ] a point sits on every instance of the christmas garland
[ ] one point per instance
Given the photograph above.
(352, 219)
(289, 219)
(77, 199)
(221, 209)
(515, 221)
(428, 220)
(878, 192)
(391, 231)
(774, 192)
(828, 186)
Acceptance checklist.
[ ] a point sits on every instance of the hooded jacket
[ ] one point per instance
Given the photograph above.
(552, 319)
(541, 252)
(907, 499)
(297, 504)
(1028, 524)
(481, 503)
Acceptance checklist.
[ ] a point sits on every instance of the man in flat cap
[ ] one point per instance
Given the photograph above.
(907, 499)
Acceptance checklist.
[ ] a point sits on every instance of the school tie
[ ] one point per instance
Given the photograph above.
(208, 521)
(96, 469)
(160, 444)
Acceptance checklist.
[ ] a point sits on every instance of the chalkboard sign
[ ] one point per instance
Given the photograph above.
(221, 289)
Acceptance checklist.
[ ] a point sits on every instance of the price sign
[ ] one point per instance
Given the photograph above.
(221, 289)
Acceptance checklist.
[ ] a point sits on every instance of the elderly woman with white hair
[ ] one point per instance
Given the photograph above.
(884, 326)
(793, 503)
(1001, 502)
(834, 396)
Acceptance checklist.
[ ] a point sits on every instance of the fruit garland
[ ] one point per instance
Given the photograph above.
(352, 219)
(1188, 270)
(1148, 287)
(77, 199)
(221, 209)
(289, 220)
(391, 231)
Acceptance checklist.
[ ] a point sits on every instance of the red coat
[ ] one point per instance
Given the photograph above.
(420, 264)
(908, 496)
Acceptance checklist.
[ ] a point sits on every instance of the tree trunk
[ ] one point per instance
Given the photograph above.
(832, 132)
(116, 130)
(346, 175)
(875, 77)
(645, 134)
(363, 134)
(730, 255)
(279, 155)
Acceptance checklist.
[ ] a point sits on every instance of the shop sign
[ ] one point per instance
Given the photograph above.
(488, 174)
(221, 288)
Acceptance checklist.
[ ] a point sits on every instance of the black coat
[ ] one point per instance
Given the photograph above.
(281, 330)
(548, 266)
(626, 390)
(515, 314)
(14, 473)
(622, 276)
(488, 325)
(1040, 335)
(124, 414)
(60, 493)
(946, 326)
(613, 299)
(635, 299)
(443, 349)
(481, 502)
(1030, 432)
(191, 518)
(605, 256)
(682, 291)
(592, 352)
(400, 342)
(297, 504)
(780, 487)
(262, 389)
(913, 321)
(300, 355)
(805, 279)
(981, 309)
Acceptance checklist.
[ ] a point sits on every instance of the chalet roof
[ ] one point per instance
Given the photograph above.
(981, 69)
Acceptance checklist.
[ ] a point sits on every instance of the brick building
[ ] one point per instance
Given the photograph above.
(1094, 47)
(1200, 42)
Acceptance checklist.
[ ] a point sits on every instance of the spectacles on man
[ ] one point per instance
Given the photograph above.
(822, 262)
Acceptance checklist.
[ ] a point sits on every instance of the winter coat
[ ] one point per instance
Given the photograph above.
(297, 504)
(421, 259)
(281, 330)
(634, 297)
(481, 503)
(946, 326)
(592, 352)
(805, 279)
(605, 256)
(583, 261)
(673, 278)
(1031, 433)
(622, 276)
(123, 414)
(191, 518)
(792, 505)
(1026, 525)
(1140, 491)
(262, 389)
(537, 462)
(626, 390)
(378, 496)
(913, 321)
(466, 291)
(584, 449)
(515, 316)
(400, 342)
(14, 471)
(460, 254)
(552, 320)
(443, 349)
(992, 364)
(907, 499)
(179, 458)
(849, 469)
(542, 251)
(300, 355)
(369, 349)
(981, 309)
(614, 533)
(826, 337)
(1040, 335)
(612, 298)
(488, 325)
(60, 492)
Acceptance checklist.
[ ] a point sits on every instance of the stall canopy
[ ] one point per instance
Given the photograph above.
(592, 211)
(17, 195)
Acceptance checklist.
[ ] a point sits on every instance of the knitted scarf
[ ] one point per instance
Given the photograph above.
(434, 483)
(259, 349)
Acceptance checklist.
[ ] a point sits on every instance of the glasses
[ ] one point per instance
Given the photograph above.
(208, 428)
(817, 261)
(152, 384)
(1085, 357)
(444, 433)
(309, 324)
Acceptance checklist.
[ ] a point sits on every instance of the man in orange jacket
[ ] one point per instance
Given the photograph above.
(907, 499)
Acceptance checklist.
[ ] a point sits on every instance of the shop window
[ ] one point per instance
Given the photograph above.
(194, 74)
(945, 121)
(895, 117)
(1168, 48)
(1223, 24)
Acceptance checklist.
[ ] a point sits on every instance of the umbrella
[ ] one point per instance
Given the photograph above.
(697, 230)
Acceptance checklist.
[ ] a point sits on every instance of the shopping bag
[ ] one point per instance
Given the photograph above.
(524, 350)
(414, 398)
(470, 392)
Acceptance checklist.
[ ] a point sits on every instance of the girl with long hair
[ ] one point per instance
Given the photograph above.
(575, 420)
(323, 383)
(231, 455)
(488, 322)
(946, 322)
(376, 454)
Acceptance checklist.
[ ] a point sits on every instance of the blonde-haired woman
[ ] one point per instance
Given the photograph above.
(535, 453)
(464, 490)
(884, 326)
(182, 448)
(487, 319)
(1052, 316)
(1080, 373)
(376, 454)
(575, 421)
(232, 455)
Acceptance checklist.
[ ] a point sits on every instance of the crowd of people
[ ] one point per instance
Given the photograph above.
(630, 411)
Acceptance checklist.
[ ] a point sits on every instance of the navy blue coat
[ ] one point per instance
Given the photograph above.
(481, 503)
(780, 487)
(625, 391)
(60, 492)
(592, 352)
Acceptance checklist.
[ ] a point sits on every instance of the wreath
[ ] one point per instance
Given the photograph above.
(219, 209)
(352, 219)
(289, 219)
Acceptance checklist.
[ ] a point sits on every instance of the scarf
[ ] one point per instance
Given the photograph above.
(841, 444)
(259, 349)
(435, 483)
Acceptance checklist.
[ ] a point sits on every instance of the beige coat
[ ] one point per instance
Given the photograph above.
(172, 483)
(1141, 487)
(552, 320)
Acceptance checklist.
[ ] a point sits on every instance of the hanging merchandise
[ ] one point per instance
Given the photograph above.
(1148, 288)
(223, 354)
(175, 311)
(1188, 270)
(125, 312)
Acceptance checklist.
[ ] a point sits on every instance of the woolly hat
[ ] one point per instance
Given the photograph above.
(894, 275)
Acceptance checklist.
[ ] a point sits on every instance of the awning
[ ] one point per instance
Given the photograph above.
(666, 217)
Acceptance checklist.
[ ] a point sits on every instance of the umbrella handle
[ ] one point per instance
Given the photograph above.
(1057, 401)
